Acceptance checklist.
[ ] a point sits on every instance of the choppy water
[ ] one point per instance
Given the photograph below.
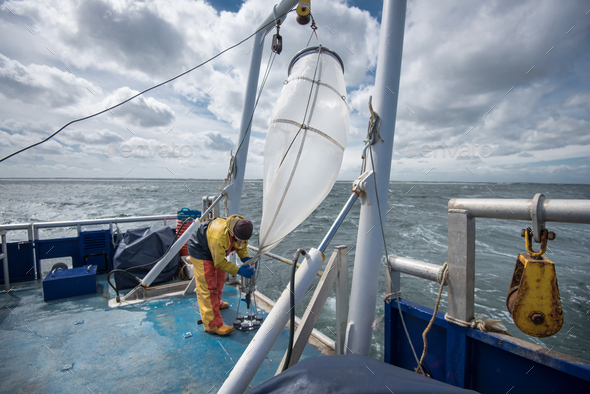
(416, 227)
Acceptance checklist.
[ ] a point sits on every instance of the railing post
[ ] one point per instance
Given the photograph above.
(341, 290)
(461, 299)
(4, 257)
(461, 256)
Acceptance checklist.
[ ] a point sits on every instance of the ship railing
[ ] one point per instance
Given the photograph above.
(33, 236)
(461, 241)
(461, 285)
(95, 222)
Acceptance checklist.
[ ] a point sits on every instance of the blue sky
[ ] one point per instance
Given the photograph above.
(501, 87)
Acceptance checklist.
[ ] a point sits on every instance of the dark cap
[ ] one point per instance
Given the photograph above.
(243, 229)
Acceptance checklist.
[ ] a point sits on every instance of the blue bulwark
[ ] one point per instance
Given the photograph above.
(21, 262)
(65, 283)
(485, 362)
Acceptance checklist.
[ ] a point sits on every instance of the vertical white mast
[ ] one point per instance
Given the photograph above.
(234, 191)
(369, 248)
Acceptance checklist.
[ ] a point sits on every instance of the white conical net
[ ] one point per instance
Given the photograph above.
(304, 144)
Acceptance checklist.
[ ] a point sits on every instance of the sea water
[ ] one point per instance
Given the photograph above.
(415, 227)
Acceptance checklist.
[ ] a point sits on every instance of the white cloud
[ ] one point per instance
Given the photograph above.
(578, 100)
(143, 111)
(40, 84)
(461, 59)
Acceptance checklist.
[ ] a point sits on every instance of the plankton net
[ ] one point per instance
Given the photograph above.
(305, 143)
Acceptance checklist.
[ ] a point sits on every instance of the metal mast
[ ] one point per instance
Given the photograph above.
(369, 248)
(234, 191)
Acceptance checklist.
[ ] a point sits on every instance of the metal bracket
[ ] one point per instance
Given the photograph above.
(348, 337)
(537, 216)
(360, 184)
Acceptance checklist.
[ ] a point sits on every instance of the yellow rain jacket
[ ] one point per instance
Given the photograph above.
(218, 243)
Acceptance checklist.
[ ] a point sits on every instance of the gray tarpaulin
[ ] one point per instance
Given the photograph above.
(351, 374)
(142, 246)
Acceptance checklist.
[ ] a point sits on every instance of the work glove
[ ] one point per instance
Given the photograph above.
(245, 260)
(246, 271)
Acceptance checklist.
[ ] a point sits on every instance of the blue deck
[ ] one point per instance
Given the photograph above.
(131, 349)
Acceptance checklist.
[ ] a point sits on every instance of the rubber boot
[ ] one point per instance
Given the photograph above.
(221, 331)
(223, 305)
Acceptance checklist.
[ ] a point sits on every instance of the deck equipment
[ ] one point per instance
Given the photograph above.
(533, 298)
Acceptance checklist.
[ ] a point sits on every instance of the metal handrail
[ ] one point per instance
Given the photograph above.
(33, 227)
(19, 226)
(91, 222)
(563, 211)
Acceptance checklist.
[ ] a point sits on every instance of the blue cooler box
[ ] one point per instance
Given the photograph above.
(69, 283)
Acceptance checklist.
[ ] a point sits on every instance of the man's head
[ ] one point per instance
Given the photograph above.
(243, 229)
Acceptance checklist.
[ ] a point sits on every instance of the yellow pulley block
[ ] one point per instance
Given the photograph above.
(303, 11)
(533, 297)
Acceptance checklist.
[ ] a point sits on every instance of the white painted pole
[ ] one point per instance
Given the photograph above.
(234, 192)
(369, 247)
(254, 355)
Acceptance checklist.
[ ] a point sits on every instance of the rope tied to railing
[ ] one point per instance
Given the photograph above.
(441, 276)
(489, 325)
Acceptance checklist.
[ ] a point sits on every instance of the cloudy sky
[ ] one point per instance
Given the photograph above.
(495, 91)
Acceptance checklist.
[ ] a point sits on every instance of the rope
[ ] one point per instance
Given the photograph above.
(442, 279)
(489, 325)
(484, 326)
(314, 29)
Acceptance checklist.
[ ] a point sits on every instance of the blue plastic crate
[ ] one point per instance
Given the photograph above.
(69, 283)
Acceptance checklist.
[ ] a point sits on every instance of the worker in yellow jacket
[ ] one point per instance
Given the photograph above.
(208, 248)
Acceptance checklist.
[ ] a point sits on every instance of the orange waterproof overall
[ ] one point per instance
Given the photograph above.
(210, 274)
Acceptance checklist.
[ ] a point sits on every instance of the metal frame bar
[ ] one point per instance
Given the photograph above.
(563, 211)
(338, 261)
(418, 268)
(277, 257)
